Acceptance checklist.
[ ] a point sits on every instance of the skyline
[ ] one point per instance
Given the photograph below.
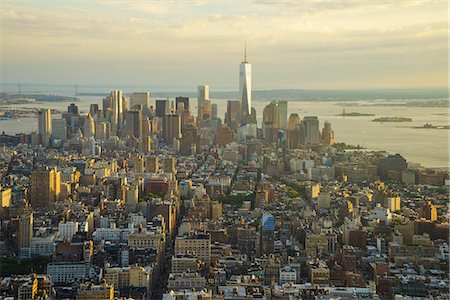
(184, 43)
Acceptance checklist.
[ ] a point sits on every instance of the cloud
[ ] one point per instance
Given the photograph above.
(188, 37)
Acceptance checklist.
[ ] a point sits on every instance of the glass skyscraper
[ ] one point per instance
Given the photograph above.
(245, 86)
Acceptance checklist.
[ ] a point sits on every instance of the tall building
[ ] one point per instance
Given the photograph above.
(245, 86)
(233, 114)
(101, 131)
(171, 128)
(133, 123)
(267, 233)
(310, 134)
(203, 105)
(271, 122)
(117, 108)
(283, 113)
(294, 122)
(327, 134)
(45, 126)
(59, 129)
(89, 126)
(72, 109)
(25, 234)
(203, 92)
(184, 100)
(143, 99)
(45, 188)
(214, 110)
(161, 108)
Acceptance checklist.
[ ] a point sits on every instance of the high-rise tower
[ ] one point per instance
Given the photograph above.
(45, 126)
(245, 86)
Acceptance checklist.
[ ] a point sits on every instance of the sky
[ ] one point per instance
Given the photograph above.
(345, 44)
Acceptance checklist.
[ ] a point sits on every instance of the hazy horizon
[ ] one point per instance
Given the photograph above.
(314, 45)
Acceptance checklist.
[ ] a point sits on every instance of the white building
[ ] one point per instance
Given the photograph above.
(112, 234)
(288, 274)
(42, 246)
(63, 272)
(67, 230)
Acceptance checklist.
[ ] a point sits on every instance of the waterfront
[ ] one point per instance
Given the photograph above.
(430, 147)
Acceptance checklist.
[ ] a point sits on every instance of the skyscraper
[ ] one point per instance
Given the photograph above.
(143, 99)
(267, 233)
(184, 100)
(311, 133)
(45, 188)
(203, 105)
(134, 123)
(161, 108)
(271, 121)
(117, 108)
(283, 113)
(245, 86)
(89, 126)
(25, 234)
(171, 128)
(327, 134)
(233, 114)
(59, 129)
(203, 92)
(45, 126)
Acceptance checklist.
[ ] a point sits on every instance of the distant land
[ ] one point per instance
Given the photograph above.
(308, 95)
(392, 119)
(354, 114)
(8, 98)
(349, 95)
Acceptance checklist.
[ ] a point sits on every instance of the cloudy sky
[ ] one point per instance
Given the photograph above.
(179, 44)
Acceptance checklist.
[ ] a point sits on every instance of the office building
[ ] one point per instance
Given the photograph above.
(271, 122)
(89, 126)
(133, 123)
(161, 108)
(115, 102)
(44, 126)
(171, 128)
(25, 234)
(310, 131)
(141, 99)
(245, 86)
(45, 188)
(233, 114)
(203, 105)
(72, 109)
(283, 114)
(327, 134)
(267, 233)
(184, 100)
(59, 129)
(101, 132)
(214, 111)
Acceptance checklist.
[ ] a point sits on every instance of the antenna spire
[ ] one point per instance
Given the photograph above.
(245, 51)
